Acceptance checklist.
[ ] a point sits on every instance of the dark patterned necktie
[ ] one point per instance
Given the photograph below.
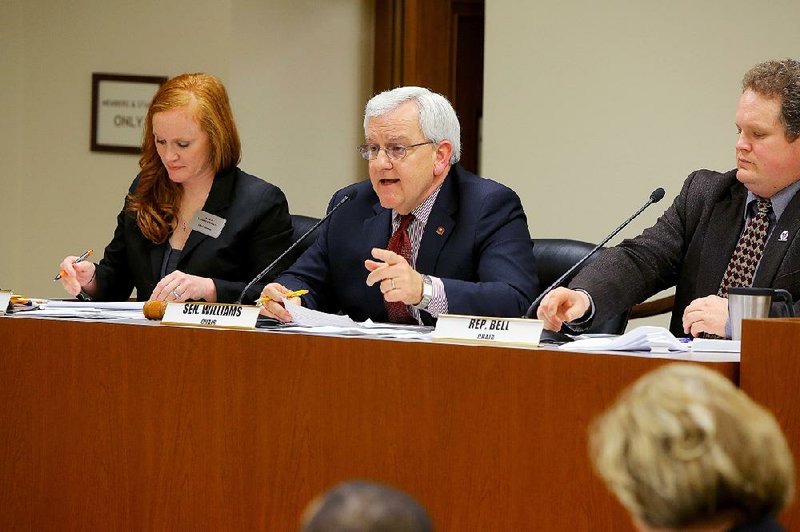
(742, 267)
(400, 243)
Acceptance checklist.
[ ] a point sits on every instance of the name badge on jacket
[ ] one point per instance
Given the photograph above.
(206, 223)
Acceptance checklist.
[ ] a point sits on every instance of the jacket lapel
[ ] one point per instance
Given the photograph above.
(219, 198)
(775, 250)
(439, 227)
(720, 240)
(376, 231)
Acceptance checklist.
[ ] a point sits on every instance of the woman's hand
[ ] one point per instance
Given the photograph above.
(179, 287)
(79, 276)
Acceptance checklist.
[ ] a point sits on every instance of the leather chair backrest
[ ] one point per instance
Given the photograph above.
(301, 224)
(554, 256)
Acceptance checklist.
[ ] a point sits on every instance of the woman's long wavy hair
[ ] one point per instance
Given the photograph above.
(157, 199)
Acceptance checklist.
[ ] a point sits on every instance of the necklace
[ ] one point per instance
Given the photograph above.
(181, 225)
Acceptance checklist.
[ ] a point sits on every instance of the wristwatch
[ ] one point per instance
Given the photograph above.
(427, 293)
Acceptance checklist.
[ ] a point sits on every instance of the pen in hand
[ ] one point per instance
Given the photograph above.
(82, 258)
(260, 302)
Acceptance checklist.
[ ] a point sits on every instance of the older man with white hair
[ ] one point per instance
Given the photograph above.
(423, 236)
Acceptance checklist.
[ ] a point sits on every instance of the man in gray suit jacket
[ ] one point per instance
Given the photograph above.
(692, 243)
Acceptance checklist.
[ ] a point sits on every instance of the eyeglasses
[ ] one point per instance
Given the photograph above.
(393, 151)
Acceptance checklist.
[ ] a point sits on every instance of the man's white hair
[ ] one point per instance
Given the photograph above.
(437, 118)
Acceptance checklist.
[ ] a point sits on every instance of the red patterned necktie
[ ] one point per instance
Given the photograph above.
(742, 267)
(400, 243)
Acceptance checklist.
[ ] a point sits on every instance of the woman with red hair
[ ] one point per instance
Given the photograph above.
(194, 226)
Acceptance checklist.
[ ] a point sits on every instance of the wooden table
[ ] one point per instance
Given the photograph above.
(108, 426)
(770, 369)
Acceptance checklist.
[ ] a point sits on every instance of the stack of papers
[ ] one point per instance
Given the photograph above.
(316, 322)
(653, 339)
(646, 338)
(88, 309)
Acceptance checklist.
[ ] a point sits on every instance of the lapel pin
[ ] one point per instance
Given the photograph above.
(784, 236)
(440, 230)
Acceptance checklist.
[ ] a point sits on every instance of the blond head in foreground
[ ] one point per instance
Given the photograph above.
(684, 448)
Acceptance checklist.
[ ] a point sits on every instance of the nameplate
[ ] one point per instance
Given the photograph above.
(5, 299)
(215, 315)
(207, 223)
(482, 329)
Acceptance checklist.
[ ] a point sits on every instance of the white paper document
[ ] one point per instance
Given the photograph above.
(305, 317)
(646, 338)
(316, 322)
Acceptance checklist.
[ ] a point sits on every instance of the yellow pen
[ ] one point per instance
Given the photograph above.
(295, 293)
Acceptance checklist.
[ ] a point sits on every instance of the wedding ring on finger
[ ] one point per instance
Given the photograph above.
(393, 286)
(176, 294)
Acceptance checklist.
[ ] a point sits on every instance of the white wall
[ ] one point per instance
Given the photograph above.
(588, 107)
(71, 195)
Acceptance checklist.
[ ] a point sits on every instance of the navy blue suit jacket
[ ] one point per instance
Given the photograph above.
(257, 229)
(476, 240)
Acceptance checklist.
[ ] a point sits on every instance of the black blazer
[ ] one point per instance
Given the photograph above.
(476, 240)
(257, 230)
(689, 247)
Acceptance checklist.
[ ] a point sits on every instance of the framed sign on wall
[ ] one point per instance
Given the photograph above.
(119, 107)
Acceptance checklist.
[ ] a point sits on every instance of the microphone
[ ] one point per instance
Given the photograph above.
(347, 197)
(656, 196)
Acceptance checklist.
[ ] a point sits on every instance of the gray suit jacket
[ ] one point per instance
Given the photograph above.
(689, 247)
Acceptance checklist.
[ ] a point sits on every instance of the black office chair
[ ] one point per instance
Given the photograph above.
(301, 224)
(554, 256)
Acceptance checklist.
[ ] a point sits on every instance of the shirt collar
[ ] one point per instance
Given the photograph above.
(780, 200)
(422, 211)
